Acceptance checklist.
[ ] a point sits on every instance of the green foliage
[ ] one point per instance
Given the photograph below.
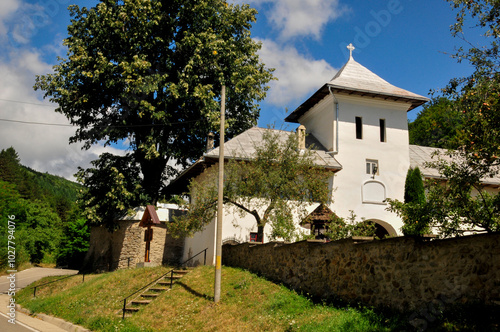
(112, 189)
(74, 243)
(32, 185)
(10, 205)
(342, 228)
(468, 203)
(151, 72)
(10, 202)
(436, 125)
(53, 185)
(414, 186)
(38, 229)
(415, 212)
(272, 185)
(417, 217)
(463, 203)
(11, 171)
(9, 166)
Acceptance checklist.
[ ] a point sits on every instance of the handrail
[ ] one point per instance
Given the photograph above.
(156, 280)
(50, 282)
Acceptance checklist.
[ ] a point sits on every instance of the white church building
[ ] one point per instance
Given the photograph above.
(358, 125)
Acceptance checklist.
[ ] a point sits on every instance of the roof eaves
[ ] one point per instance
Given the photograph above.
(415, 100)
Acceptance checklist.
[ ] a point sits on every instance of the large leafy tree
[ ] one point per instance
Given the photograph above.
(276, 182)
(476, 161)
(464, 202)
(150, 72)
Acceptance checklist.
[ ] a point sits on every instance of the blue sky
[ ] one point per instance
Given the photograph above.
(408, 43)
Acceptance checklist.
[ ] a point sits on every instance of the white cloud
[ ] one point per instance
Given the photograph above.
(41, 147)
(297, 75)
(301, 17)
(8, 8)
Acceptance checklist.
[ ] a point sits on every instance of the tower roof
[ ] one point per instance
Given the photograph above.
(355, 79)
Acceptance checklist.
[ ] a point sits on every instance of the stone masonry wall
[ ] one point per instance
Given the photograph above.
(401, 273)
(126, 247)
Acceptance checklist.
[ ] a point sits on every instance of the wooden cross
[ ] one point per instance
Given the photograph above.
(149, 218)
(351, 48)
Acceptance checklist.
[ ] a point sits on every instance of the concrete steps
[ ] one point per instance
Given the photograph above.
(151, 293)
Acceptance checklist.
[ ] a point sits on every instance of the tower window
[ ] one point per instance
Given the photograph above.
(382, 131)
(372, 167)
(359, 128)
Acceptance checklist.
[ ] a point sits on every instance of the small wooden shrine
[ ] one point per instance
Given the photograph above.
(149, 218)
(318, 220)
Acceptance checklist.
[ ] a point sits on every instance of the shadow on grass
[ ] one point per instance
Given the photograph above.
(194, 292)
(453, 317)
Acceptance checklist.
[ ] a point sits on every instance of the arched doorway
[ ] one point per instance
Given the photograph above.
(230, 240)
(382, 228)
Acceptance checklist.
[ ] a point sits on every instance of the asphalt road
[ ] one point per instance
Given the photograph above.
(17, 327)
(23, 322)
(26, 277)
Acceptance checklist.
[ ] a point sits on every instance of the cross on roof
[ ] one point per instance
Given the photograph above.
(351, 48)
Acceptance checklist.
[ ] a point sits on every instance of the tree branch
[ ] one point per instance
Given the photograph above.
(244, 208)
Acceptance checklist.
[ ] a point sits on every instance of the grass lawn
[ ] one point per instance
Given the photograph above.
(248, 302)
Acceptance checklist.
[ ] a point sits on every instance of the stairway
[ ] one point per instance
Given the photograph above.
(149, 294)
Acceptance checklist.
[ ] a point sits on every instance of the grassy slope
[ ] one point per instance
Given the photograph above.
(247, 302)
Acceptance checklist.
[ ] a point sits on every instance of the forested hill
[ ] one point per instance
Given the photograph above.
(49, 227)
(32, 185)
(53, 185)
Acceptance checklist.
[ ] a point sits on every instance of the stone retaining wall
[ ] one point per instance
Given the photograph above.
(402, 273)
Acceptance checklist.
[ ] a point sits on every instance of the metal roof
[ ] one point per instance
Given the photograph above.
(420, 155)
(355, 79)
(242, 147)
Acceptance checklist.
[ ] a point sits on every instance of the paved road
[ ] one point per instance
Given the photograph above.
(26, 277)
(25, 323)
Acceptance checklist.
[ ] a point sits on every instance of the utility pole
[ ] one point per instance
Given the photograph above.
(220, 205)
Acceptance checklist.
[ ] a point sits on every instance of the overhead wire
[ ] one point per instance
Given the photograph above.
(110, 126)
(25, 102)
(70, 125)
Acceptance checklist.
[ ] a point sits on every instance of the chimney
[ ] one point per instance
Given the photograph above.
(301, 137)
(210, 141)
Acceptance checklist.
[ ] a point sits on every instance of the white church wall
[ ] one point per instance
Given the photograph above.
(198, 242)
(235, 227)
(320, 121)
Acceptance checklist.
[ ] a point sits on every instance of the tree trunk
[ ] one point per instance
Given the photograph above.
(152, 172)
(260, 233)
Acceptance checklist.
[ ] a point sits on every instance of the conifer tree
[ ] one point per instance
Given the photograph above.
(414, 186)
